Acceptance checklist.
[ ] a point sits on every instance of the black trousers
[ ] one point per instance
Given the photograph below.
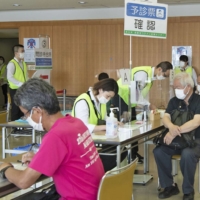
(16, 113)
(189, 159)
(5, 91)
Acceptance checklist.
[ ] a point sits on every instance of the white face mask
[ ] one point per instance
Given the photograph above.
(198, 88)
(180, 93)
(102, 100)
(21, 55)
(160, 77)
(36, 126)
(1, 62)
(182, 64)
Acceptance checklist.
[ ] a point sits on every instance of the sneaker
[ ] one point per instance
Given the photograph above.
(168, 192)
(189, 196)
(140, 161)
(139, 156)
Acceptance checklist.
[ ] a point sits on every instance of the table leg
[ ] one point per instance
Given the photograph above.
(118, 156)
(145, 155)
(3, 142)
(33, 136)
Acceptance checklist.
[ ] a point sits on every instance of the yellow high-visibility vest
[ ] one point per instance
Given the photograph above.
(124, 89)
(188, 70)
(2, 72)
(20, 75)
(93, 118)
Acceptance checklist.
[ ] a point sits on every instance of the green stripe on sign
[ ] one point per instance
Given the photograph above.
(43, 67)
(145, 33)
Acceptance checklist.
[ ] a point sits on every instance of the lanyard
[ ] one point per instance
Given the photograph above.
(95, 109)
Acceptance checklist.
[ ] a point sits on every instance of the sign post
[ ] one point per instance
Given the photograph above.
(141, 19)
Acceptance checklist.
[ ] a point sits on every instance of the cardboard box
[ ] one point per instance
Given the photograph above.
(154, 116)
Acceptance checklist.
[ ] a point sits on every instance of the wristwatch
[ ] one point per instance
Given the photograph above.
(2, 172)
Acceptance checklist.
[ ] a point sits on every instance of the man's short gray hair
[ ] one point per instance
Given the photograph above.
(185, 79)
(37, 93)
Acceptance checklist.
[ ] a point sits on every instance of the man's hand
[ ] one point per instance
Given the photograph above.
(174, 130)
(3, 165)
(168, 138)
(27, 157)
(120, 123)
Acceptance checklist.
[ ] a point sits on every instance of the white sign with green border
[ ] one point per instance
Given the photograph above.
(145, 19)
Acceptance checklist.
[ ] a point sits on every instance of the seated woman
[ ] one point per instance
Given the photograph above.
(67, 149)
(90, 107)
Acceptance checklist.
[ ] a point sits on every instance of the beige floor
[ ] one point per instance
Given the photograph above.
(147, 192)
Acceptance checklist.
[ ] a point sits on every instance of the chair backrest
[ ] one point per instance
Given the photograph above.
(118, 184)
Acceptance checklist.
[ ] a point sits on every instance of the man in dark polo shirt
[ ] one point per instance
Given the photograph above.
(183, 85)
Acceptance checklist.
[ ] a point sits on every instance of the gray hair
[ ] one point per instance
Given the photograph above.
(185, 79)
(37, 93)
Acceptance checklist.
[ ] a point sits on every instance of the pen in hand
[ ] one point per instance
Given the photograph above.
(19, 161)
(29, 155)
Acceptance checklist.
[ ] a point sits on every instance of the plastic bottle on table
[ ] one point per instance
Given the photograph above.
(111, 125)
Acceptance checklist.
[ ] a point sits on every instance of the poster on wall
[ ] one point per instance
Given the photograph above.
(145, 19)
(177, 51)
(43, 58)
(29, 47)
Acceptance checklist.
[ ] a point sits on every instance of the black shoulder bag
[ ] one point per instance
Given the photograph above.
(179, 117)
(49, 193)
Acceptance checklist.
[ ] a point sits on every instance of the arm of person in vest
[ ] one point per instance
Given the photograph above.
(144, 86)
(194, 76)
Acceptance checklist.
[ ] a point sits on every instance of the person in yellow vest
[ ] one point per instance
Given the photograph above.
(184, 67)
(142, 74)
(3, 80)
(90, 107)
(17, 74)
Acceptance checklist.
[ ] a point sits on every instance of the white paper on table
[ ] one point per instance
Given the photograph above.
(98, 137)
(19, 166)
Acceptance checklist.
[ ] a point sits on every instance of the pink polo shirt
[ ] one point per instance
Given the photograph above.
(68, 154)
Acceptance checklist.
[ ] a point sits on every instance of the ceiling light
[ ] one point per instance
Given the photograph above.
(82, 2)
(16, 4)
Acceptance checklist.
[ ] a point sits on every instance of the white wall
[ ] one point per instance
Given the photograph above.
(82, 14)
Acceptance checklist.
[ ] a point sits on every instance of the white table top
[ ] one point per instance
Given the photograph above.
(135, 131)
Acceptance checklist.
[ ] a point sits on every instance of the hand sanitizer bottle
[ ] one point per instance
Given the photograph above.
(111, 125)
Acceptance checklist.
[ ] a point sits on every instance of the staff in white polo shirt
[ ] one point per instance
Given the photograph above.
(17, 74)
